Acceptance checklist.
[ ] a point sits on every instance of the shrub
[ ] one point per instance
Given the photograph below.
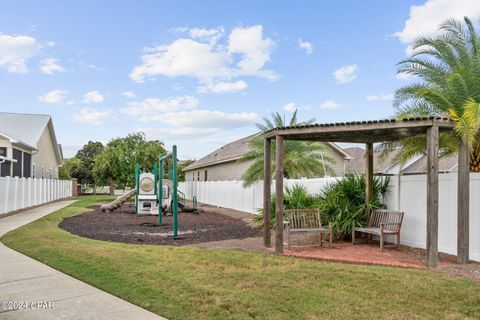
(295, 197)
(341, 202)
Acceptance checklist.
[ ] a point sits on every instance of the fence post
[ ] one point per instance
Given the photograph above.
(15, 194)
(74, 187)
(7, 191)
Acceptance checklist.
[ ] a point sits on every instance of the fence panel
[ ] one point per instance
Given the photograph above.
(406, 193)
(19, 193)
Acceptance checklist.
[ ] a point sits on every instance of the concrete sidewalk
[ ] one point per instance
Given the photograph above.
(30, 285)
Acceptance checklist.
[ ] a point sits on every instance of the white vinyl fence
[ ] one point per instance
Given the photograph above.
(18, 193)
(232, 194)
(406, 193)
(409, 194)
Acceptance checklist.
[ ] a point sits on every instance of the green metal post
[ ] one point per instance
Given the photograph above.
(155, 180)
(174, 195)
(160, 190)
(137, 172)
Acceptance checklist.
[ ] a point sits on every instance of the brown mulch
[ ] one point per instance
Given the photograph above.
(127, 227)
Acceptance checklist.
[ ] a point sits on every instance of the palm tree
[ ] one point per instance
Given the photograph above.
(448, 66)
(301, 158)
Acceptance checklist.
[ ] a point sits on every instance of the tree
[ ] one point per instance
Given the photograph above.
(116, 164)
(68, 167)
(82, 167)
(181, 166)
(448, 66)
(301, 158)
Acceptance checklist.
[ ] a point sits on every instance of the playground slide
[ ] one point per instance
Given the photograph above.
(115, 204)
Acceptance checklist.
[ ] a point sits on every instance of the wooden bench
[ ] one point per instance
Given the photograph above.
(307, 220)
(382, 223)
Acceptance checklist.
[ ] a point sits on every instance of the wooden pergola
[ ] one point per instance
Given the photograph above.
(370, 132)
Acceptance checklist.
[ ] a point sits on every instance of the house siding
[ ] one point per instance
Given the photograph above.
(232, 170)
(339, 166)
(45, 157)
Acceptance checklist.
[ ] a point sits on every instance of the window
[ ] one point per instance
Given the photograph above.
(27, 165)
(5, 166)
(5, 169)
(17, 166)
(206, 175)
(198, 175)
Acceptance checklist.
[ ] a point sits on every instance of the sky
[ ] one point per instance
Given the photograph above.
(200, 74)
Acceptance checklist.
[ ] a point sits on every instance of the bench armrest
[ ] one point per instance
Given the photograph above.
(390, 224)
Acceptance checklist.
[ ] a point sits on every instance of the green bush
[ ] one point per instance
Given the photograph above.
(295, 197)
(341, 202)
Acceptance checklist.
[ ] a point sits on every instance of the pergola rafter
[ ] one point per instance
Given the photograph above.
(370, 132)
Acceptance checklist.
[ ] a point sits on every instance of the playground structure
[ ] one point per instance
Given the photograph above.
(155, 195)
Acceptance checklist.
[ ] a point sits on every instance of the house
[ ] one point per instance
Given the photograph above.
(223, 164)
(388, 166)
(28, 146)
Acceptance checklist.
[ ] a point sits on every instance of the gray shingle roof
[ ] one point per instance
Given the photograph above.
(229, 152)
(445, 163)
(25, 128)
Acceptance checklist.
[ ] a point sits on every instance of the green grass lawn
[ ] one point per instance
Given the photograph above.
(192, 283)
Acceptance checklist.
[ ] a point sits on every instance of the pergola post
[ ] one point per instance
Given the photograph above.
(463, 203)
(267, 191)
(368, 172)
(432, 197)
(279, 194)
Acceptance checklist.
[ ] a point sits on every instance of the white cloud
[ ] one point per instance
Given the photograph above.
(425, 19)
(15, 51)
(195, 123)
(244, 53)
(223, 87)
(305, 45)
(176, 133)
(51, 44)
(92, 97)
(50, 66)
(345, 74)
(95, 117)
(330, 104)
(404, 76)
(208, 35)
(154, 106)
(54, 96)
(208, 119)
(380, 97)
(129, 94)
(290, 107)
(255, 51)
(183, 57)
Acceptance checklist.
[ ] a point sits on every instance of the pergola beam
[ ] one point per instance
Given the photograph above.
(278, 195)
(432, 197)
(267, 191)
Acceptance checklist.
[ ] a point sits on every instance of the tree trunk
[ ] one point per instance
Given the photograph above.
(94, 189)
(112, 188)
(475, 158)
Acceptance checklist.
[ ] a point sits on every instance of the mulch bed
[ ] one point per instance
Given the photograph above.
(127, 227)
